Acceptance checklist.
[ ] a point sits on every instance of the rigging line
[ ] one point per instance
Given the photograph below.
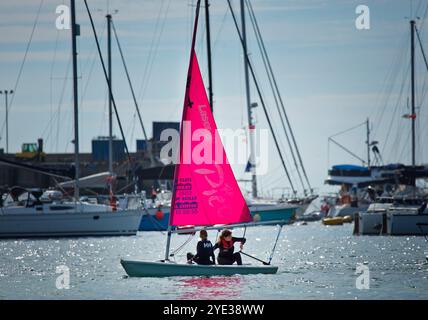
(143, 82)
(52, 118)
(270, 75)
(132, 133)
(101, 128)
(398, 144)
(91, 64)
(219, 32)
(274, 180)
(154, 55)
(277, 182)
(57, 115)
(108, 81)
(390, 81)
(418, 7)
(261, 98)
(21, 68)
(266, 57)
(261, 95)
(70, 124)
(129, 81)
(404, 148)
(60, 103)
(347, 150)
(395, 110)
(174, 252)
(281, 145)
(424, 17)
(51, 78)
(422, 48)
(274, 246)
(347, 130)
(91, 68)
(257, 79)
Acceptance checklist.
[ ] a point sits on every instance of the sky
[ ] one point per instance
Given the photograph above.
(331, 75)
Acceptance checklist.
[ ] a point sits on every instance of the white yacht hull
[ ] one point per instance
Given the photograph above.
(370, 223)
(407, 224)
(70, 224)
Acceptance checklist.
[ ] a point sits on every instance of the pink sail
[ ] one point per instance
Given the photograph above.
(205, 189)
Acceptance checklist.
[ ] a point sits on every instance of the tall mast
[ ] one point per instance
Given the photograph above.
(75, 31)
(195, 29)
(251, 126)
(110, 109)
(210, 75)
(368, 143)
(413, 117)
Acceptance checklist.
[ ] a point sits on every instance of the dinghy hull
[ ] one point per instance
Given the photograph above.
(168, 269)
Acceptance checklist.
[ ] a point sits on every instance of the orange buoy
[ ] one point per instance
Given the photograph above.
(113, 203)
(159, 214)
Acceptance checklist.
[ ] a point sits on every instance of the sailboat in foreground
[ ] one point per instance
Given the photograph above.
(206, 195)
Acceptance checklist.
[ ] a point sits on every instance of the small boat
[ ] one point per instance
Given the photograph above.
(156, 212)
(408, 220)
(169, 269)
(336, 221)
(154, 219)
(347, 219)
(273, 212)
(206, 194)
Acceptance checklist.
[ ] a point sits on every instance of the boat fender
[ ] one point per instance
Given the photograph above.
(256, 217)
(159, 214)
(113, 204)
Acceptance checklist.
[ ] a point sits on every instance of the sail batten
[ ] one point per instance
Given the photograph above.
(205, 189)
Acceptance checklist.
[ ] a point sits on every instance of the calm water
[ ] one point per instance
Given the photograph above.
(315, 262)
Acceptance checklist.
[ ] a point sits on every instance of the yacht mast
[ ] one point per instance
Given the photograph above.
(210, 73)
(413, 115)
(75, 31)
(368, 143)
(110, 104)
(251, 126)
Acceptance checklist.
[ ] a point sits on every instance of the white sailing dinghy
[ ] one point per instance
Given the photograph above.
(206, 195)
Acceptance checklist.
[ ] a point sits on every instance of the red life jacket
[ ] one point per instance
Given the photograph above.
(226, 244)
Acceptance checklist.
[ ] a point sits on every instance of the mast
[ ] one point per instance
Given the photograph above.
(368, 142)
(75, 31)
(413, 117)
(251, 126)
(210, 75)
(110, 109)
(195, 28)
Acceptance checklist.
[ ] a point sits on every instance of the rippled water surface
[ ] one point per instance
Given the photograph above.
(315, 262)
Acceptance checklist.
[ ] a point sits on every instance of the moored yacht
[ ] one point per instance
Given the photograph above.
(27, 214)
(404, 213)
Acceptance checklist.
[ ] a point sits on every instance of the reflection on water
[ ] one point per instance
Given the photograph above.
(315, 262)
(207, 288)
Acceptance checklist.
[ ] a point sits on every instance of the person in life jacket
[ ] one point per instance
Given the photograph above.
(225, 245)
(204, 251)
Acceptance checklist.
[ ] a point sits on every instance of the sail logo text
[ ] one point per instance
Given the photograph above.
(201, 146)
